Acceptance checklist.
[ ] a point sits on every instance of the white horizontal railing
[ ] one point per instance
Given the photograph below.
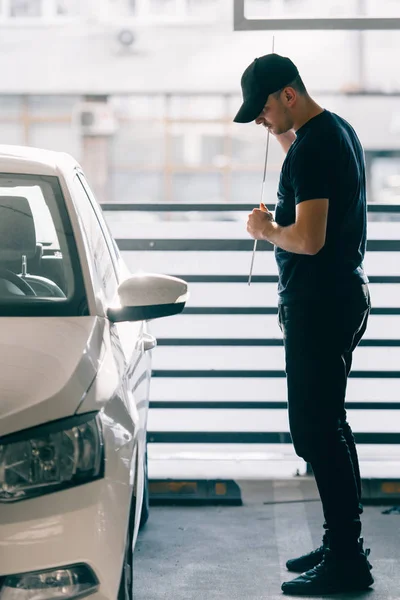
(218, 393)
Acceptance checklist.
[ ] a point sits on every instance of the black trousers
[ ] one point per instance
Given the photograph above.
(319, 339)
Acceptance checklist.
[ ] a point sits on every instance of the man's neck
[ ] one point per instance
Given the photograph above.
(310, 110)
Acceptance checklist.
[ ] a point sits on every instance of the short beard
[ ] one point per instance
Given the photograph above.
(282, 130)
(288, 124)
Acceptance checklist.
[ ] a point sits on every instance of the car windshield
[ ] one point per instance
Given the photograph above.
(39, 267)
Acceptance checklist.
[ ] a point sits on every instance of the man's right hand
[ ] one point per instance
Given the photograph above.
(265, 209)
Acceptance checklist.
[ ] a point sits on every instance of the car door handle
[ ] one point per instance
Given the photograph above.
(149, 342)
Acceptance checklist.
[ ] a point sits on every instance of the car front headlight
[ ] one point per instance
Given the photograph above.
(51, 457)
(63, 583)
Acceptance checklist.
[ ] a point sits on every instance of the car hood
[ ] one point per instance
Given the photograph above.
(46, 367)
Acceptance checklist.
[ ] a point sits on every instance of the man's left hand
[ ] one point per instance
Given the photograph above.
(260, 223)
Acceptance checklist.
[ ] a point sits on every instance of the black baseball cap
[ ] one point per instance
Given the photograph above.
(266, 75)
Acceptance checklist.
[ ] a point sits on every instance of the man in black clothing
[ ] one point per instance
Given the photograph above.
(319, 238)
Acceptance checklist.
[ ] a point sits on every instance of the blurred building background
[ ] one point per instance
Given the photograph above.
(143, 93)
(166, 77)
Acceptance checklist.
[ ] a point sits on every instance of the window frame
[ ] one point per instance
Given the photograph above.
(242, 23)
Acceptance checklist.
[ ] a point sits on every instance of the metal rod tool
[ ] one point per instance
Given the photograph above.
(261, 203)
(262, 188)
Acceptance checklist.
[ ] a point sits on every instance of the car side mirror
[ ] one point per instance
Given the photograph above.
(146, 296)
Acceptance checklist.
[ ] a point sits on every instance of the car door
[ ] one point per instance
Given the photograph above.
(130, 337)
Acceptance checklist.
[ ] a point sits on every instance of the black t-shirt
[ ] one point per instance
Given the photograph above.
(325, 161)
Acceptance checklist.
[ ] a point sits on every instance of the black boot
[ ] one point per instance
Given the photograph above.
(335, 574)
(313, 558)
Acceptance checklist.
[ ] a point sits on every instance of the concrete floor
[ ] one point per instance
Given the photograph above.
(239, 553)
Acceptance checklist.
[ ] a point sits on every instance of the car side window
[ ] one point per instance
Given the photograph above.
(112, 246)
(99, 252)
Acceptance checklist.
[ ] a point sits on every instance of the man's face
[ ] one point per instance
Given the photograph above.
(275, 116)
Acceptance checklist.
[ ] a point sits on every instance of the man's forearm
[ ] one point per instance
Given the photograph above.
(288, 238)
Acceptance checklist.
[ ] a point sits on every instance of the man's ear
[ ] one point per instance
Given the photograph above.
(289, 94)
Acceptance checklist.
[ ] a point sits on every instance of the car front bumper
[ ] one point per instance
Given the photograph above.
(76, 526)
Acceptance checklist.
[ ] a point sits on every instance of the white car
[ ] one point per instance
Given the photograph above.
(75, 370)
